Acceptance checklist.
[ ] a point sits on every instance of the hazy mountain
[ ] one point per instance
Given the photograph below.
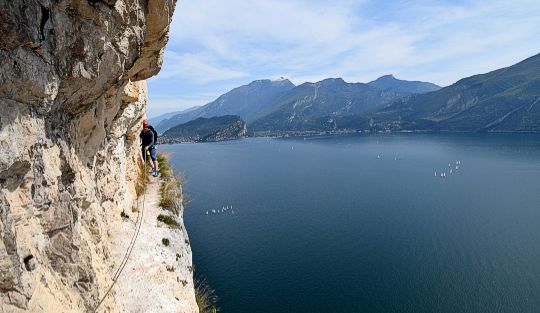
(314, 106)
(389, 82)
(156, 120)
(202, 129)
(246, 101)
(507, 99)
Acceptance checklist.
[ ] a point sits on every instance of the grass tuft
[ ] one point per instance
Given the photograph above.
(142, 180)
(164, 167)
(170, 188)
(171, 194)
(206, 297)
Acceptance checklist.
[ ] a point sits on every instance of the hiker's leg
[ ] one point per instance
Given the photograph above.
(145, 157)
(153, 156)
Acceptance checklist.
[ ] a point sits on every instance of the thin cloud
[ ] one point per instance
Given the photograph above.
(218, 43)
(195, 68)
(160, 106)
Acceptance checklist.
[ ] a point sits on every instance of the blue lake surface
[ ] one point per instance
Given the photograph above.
(362, 224)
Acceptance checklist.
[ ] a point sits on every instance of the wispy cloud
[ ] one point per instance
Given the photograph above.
(216, 44)
(195, 68)
(159, 106)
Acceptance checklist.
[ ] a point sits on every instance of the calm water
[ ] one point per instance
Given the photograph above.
(325, 225)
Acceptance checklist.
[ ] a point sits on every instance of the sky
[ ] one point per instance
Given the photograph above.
(217, 45)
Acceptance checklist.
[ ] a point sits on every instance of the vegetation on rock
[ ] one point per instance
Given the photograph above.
(206, 297)
(168, 220)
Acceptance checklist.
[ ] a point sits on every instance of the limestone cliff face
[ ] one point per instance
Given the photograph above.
(72, 95)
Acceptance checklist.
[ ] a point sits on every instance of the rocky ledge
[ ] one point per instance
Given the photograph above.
(72, 96)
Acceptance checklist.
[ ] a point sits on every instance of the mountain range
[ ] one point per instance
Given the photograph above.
(507, 100)
(246, 101)
(279, 104)
(314, 106)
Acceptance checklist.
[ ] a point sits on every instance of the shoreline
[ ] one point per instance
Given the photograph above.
(312, 134)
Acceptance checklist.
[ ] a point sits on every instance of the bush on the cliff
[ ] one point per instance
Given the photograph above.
(165, 241)
(168, 220)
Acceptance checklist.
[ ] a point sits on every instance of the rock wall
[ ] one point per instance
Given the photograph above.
(72, 96)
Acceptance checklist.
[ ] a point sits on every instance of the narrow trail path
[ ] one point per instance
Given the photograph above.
(156, 278)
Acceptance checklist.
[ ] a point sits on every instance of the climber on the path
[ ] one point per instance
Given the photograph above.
(148, 140)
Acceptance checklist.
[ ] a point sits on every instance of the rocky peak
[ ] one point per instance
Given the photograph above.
(388, 77)
(331, 82)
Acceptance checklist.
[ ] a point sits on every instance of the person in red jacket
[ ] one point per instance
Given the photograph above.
(148, 141)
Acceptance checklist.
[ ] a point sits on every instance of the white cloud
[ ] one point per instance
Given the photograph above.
(314, 37)
(213, 42)
(196, 68)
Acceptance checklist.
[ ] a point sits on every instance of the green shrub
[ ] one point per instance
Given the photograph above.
(168, 220)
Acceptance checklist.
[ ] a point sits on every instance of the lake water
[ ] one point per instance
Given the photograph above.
(362, 224)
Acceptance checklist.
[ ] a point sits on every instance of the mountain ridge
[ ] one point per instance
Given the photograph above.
(501, 100)
(313, 106)
(244, 101)
(202, 129)
(247, 102)
(505, 99)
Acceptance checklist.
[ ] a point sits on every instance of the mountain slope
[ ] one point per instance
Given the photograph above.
(314, 106)
(217, 128)
(245, 101)
(503, 100)
(156, 120)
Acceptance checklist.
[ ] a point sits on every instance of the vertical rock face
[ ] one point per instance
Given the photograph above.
(72, 95)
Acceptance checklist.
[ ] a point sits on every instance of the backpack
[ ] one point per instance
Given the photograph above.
(155, 134)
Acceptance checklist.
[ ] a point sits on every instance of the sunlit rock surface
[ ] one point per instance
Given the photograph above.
(72, 96)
